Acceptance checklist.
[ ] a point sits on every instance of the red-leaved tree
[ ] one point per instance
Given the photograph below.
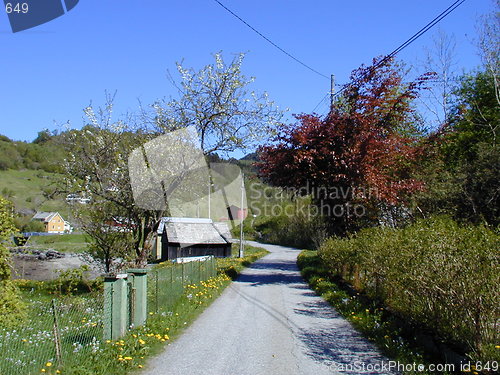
(357, 161)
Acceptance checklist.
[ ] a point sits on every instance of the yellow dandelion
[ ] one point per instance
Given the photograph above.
(48, 364)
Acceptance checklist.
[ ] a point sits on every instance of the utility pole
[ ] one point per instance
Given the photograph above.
(242, 213)
(209, 193)
(332, 91)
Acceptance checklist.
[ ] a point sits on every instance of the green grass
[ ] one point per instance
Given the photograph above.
(29, 347)
(81, 320)
(367, 316)
(71, 243)
(25, 188)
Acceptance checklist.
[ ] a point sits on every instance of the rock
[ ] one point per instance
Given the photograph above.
(51, 254)
(42, 256)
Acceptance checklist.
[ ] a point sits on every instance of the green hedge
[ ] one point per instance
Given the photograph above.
(435, 273)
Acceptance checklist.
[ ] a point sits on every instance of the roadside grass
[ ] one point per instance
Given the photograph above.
(367, 316)
(70, 243)
(83, 319)
(234, 265)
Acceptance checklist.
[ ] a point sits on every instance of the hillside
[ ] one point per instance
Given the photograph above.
(32, 190)
(30, 177)
(44, 153)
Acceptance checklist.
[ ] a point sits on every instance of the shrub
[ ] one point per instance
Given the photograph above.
(72, 281)
(11, 307)
(435, 273)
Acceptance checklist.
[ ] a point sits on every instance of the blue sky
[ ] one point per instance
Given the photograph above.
(51, 72)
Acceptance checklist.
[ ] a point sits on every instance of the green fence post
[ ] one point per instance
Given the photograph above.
(115, 306)
(139, 278)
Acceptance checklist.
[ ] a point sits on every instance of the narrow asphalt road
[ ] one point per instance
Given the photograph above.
(269, 322)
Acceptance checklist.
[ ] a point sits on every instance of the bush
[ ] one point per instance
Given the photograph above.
(11, 306)
(435, 273)
(294, 225)
(73, 281)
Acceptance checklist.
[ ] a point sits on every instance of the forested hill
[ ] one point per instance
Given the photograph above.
(44, 153)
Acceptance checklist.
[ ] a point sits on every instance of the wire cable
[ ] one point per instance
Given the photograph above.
(415, 36)
(427, 27)
(321, 101)
(270, 41)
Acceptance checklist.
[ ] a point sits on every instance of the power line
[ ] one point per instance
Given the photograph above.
(270, 41)
(321, 101)
(415, 36)
(427, 27)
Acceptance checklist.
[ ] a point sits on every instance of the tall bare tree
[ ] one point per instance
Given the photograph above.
(440, 59)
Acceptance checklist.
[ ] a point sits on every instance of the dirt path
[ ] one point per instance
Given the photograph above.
(32, 268)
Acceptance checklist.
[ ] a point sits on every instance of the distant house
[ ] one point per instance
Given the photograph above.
(53, 221)
(186, 237)
(67, 227)
(236, 213)
(76, 198)
(120, 224)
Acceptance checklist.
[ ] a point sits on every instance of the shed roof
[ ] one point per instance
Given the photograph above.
(190, 231)
(224, 230)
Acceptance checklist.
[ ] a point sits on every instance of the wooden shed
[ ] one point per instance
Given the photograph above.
(186, 237)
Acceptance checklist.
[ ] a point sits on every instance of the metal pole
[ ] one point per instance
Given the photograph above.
(241, 254)
(209, 188)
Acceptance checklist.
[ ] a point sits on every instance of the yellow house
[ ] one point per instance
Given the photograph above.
(53, 221)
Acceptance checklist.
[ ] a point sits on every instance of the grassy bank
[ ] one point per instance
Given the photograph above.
(28, 189)
(71, 243)
(427, 293)
(439, 276)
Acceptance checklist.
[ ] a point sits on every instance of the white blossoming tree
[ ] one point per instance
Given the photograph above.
(217, 101)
